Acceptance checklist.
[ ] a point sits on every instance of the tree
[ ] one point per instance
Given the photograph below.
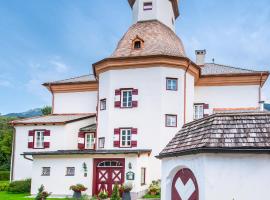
(47, 110)
(6, 135)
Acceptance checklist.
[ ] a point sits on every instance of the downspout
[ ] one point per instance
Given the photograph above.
(12, 155)
(185, 92)
(260, 89)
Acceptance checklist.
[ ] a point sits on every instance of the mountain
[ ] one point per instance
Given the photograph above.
(267, 106)
(30, 113)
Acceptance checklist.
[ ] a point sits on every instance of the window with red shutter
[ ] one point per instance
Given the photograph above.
(81, 140)
(125, 137)
(31, 135)
(126, 98)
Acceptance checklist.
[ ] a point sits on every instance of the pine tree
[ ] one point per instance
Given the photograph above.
(115, 194)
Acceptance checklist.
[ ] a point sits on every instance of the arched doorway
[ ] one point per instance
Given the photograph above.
(107, 172)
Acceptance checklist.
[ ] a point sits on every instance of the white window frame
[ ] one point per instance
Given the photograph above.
(198, 111)
(39, 139)
(172, 84)
(171, 120)
(126, 102)
(89, 144)
(125, 138)
(148, 5)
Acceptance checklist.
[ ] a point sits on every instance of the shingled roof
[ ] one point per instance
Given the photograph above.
(223, 132)
(53, 119)
(158, 39)
(217, 69)
(79, 79)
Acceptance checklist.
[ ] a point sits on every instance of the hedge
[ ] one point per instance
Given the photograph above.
(22, 186)
(4, 186)
(4, 175)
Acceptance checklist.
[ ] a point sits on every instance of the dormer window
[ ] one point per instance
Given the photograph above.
(147, 6)
(137, 43)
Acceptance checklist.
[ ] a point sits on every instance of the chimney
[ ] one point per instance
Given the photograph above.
(261, 103)
(200, 57)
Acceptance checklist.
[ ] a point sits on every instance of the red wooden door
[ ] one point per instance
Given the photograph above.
(108, 173)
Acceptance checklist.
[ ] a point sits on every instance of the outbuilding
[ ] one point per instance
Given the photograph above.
(225, 156)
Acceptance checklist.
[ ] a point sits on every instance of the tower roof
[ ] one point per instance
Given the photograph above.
(174, 4)
(157, 38)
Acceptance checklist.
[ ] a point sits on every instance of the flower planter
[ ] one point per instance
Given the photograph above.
(126, 196)
(77, 195)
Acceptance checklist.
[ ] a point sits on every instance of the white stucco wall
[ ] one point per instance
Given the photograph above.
(58, 183)
(222, 176)
(75, 102)
(228, 96)
(61, 138)
(154, 101)
(162, 11)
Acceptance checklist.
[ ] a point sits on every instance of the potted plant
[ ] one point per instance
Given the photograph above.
(103, 194)
(126, 188)
(154, 188)
(115, 193)
(77, 189)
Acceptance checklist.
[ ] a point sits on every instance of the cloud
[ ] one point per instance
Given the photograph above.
(59, 66)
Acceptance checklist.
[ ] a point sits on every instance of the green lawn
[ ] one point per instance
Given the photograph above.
(7, 196)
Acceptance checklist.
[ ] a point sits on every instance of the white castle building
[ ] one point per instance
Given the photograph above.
(109, 126)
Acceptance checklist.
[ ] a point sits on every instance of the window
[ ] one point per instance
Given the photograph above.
(103, 104)
(46, 171)
(125, 138)
(171, 120)
(39, 139)
(137, 45)
(171, 84)
(109, 163)
(143, 172)
(70, 171)
(147, 6)
(198, 111)
(89, 141)
(126, 98)
(101, 142)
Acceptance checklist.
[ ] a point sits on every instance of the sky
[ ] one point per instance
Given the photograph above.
(48, 40)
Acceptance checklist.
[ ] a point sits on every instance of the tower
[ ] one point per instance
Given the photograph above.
(165, 11)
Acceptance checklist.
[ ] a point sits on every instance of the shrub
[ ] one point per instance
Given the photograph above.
(42, 194)
(4, 186)
(154, 188)
(22, 186)
(103, 194)
(127, 187)
(115, 194)
(4, 175)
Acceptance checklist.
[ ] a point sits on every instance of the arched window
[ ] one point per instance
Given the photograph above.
(137, 43)
(110, 163)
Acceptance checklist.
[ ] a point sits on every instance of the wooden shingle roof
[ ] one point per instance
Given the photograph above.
(223, 132)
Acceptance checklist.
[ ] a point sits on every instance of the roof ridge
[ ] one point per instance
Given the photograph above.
(74, 77)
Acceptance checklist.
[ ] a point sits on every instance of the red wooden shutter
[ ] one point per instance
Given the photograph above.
(117, 103)
(134, 104)
(116, 131)
(47, 133)
(46, 145)
(135, 92)
(116, 143)
(133, 143)
(134, 131)
(31, 135)
(205, 108)
(81, 140)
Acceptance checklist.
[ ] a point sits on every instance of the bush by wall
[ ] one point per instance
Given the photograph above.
(4, 175)
(23, 186)
(4, 186)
